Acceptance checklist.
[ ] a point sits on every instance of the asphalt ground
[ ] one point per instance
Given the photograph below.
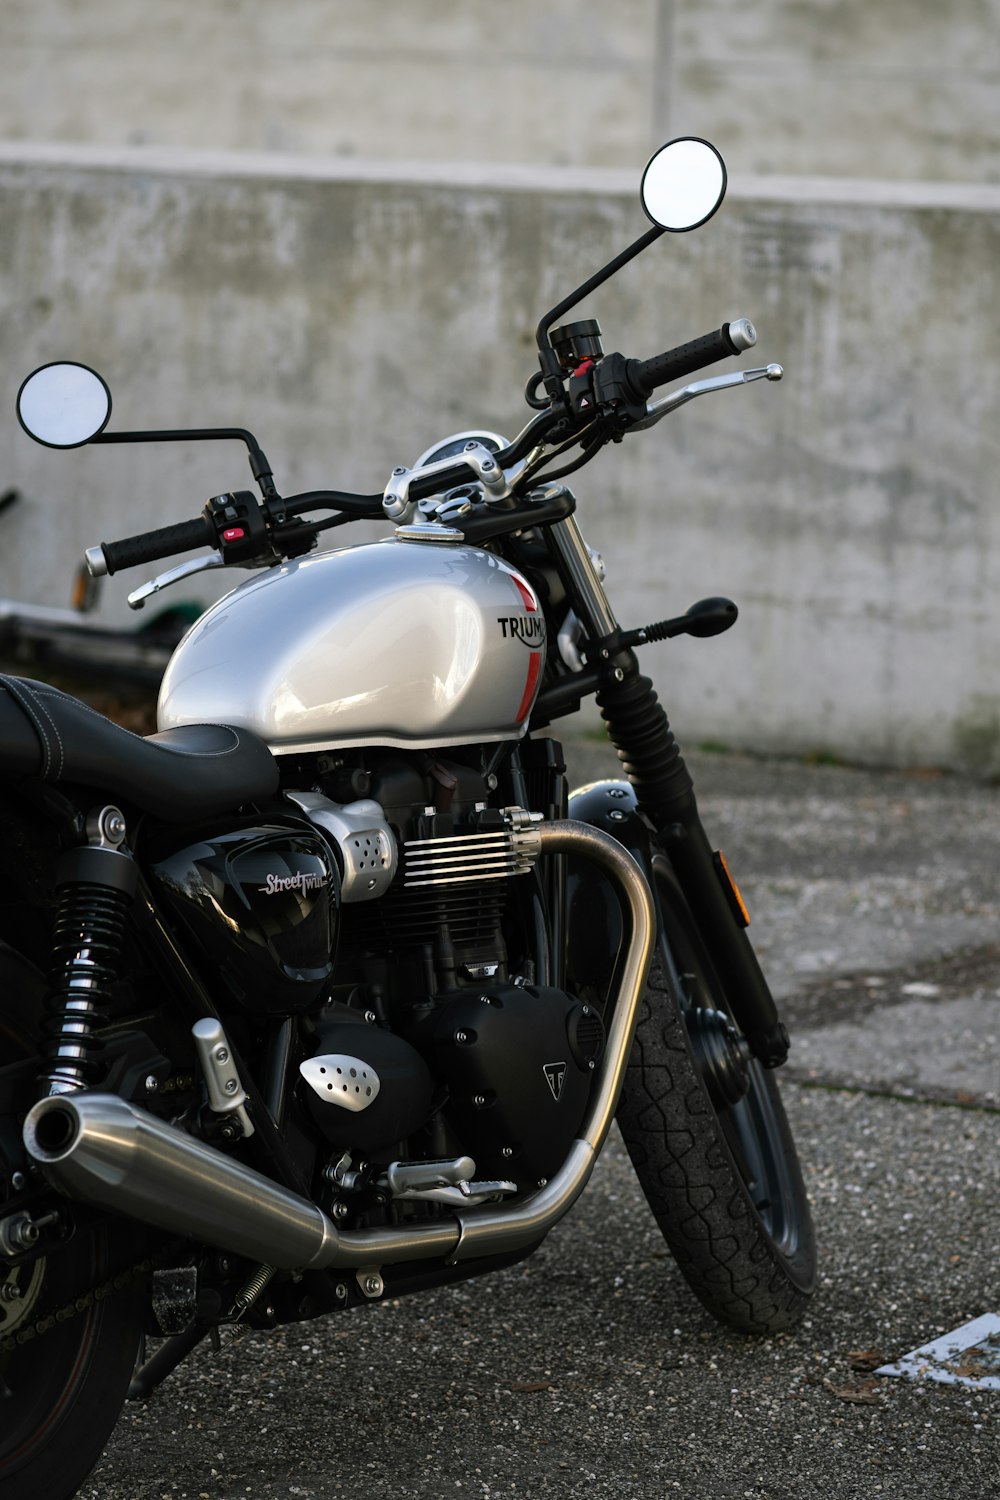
(590, 1369)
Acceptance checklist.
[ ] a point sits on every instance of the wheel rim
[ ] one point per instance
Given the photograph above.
(19, 1291)
(737, 1090)
(752, 1133)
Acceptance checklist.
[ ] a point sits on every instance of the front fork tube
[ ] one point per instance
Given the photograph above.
(735, 961)
(638, 728)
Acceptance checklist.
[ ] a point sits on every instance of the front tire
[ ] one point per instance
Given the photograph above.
(719, 1172)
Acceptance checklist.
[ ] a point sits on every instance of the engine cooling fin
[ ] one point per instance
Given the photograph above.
(457, 879)
(404, 916)
(462, 859)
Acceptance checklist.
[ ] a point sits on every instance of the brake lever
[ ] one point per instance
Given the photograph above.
(657, 409)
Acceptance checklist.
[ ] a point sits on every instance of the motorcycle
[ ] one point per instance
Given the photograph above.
(330, 990)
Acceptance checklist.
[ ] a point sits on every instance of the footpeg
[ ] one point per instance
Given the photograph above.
(448, 1181)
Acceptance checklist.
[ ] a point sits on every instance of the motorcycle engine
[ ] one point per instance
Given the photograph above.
(438, 958)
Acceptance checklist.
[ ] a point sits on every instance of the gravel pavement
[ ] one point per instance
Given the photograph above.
(590, 1370)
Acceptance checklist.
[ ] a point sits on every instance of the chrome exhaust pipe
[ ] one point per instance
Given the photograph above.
(508, 1227)
(103, 1150)
(515, 1226)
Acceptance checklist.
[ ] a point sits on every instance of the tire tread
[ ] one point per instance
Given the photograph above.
(692, 1184)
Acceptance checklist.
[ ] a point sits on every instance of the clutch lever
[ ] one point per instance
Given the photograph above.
(138, 596)
(657, 409)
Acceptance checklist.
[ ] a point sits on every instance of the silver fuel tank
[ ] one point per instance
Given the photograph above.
(405, 642)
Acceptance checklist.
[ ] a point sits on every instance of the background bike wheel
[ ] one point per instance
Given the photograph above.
(60, 1392)
(710, 1142)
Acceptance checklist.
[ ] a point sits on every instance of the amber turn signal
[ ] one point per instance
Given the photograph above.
(731, 889)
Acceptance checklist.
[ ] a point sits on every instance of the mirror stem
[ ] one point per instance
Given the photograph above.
(259, 465)
(547, 356)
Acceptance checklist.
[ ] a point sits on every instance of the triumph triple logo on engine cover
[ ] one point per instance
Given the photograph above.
(555, 1077)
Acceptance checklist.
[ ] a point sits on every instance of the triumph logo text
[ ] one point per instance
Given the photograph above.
(529, 629)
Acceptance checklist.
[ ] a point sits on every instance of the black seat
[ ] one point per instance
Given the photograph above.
(179, 775)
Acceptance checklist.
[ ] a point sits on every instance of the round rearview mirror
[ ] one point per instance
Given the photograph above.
(64, 405)
(683, 184)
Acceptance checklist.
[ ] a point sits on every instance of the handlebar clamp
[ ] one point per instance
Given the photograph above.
(431, 479)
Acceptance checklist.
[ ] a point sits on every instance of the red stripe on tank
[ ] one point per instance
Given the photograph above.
(534, 668)
(525, 592)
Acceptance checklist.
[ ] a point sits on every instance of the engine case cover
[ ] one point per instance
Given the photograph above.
(261, 899)
(401, 1086)
(405, 643)
(519, 1061)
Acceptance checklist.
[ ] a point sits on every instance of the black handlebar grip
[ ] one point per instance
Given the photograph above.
(148, 546)
(644, 375)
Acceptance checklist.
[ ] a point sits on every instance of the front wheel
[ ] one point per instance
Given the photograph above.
(707, 1133)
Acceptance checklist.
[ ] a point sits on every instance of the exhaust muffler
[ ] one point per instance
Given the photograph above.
(103, 1150)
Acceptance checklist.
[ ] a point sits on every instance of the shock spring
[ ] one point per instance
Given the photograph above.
(95, 888)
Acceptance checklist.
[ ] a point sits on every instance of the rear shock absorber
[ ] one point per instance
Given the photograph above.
(95, 885)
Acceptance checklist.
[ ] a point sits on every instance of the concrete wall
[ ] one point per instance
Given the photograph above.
(902, 88)
(868, 88)
(349, 319)
(562, 81)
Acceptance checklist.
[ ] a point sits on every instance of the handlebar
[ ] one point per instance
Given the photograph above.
(149, 546)
(273, 530)
(443, 479)
(644, 375)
